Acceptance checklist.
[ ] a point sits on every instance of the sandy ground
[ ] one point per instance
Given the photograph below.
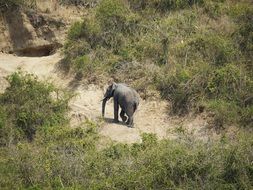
(151, 116)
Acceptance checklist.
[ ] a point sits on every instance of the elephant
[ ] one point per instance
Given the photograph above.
(125, 97)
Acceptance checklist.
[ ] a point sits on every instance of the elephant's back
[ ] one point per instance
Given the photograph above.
(126, 95)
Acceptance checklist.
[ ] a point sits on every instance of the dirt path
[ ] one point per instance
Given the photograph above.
(151, 116)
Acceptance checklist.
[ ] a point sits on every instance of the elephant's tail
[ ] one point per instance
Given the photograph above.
(135, 106)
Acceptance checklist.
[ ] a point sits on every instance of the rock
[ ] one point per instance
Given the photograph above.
(29, 33)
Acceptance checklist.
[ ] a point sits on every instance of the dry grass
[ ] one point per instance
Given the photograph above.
(67, 13)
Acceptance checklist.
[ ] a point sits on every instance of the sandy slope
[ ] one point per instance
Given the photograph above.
(151, 116)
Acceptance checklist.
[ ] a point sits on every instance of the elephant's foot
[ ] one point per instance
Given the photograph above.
(130, 123)
(124, 118)
(116, 121)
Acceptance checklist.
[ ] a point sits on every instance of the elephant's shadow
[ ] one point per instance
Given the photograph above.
(110, 120)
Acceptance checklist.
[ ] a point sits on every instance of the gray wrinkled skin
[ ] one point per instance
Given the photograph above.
(124, 97)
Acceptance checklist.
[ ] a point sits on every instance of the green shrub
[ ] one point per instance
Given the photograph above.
(211, 48)
(116, 21)
(225, 82)
(2, 118)
(84, 136)
(69, 158)
(4, 129)
(112, 14)
(84, 66)
(149, 139)
(88, 30)
(246, 118)
(164, 5)
(92, 32)
(183, 86)
(82, 37)
(85, 3)
(172, 88)
(116, 151)
(29, 104)
(149, 48)
(213, 8)
(74, 48)
(76, 31)
(242, 15)
(224, 112)
(188, 87)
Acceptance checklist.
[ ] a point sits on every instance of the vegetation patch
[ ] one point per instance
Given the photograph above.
(83, 3)
(179, 48)
(9, 4)
(69, 158)
(191, 51)
(29, 105)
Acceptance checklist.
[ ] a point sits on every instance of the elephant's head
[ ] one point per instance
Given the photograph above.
(108, 94)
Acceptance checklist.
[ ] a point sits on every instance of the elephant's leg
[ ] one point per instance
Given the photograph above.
(130, 113)
(122, 115)
(130, 121)
(116, 111)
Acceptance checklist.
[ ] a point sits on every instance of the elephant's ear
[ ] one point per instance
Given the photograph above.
(110, 91)
(114, 86)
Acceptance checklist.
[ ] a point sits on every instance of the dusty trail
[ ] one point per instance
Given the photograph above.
(151, 116)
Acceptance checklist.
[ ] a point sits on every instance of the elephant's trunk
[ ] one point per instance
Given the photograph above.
(103, 106)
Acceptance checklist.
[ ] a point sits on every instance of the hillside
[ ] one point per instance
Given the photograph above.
(197, 55)
(190, 61)
(87, 103)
